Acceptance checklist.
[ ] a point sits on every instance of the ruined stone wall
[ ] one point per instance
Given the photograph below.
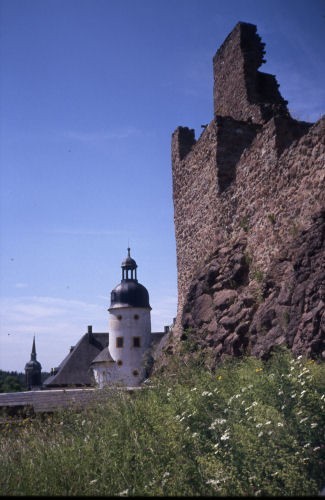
(244, 192)
(240, 90)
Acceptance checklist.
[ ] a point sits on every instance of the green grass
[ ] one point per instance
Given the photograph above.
(249, 428)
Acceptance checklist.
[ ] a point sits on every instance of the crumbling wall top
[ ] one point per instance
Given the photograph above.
(240, 90)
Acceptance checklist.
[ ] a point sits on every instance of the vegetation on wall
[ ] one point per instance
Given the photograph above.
(248, 428)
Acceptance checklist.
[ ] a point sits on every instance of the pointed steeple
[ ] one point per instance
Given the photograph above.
(33, 370)
(33, 353)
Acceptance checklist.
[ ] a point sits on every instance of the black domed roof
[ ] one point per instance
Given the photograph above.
(129, 293)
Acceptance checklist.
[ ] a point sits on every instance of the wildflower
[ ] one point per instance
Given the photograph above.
(194, 389)
(307, 445)
(206, 393)
(302, 392)
(303, 420)
(83, 422)
(293, 395)
(275, 473)
(313, 425)
(270, 433)
(93, 481)
(194, 434)
(123, 493)
(254, 403)
(322, 396)
(283, 407)
(225, 436)
(280, 393)
(250, 386)
(260, 434)
(268, 422)
(258, 370)
(220, 377)
(299, 357)
(258, 492)
(280, 424)
(258, 426)
(166, 474)
(316, 448)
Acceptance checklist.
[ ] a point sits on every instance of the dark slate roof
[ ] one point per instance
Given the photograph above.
(75, 368)
(129, 293)
(103, 356)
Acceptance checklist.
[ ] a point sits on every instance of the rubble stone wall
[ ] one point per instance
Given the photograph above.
(248, 189)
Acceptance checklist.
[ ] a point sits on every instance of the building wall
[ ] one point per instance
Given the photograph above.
(253, 171)
(129, 323)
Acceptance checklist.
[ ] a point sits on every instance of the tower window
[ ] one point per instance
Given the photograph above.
(119, 342)
(136, 342)
(135, 373)
(119, 317)
(136, 316)
(119, 362)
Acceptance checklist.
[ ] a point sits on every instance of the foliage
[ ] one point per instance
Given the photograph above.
(15, 381)
(12, 381)
(248, 428)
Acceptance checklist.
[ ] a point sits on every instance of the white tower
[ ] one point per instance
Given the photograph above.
(129, 326)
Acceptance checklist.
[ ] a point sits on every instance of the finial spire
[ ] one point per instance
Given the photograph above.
(33, 356)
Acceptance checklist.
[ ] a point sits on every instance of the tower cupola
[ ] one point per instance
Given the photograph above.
(129, 268)
(129, 293)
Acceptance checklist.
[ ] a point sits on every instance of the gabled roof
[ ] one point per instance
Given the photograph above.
(75, 369)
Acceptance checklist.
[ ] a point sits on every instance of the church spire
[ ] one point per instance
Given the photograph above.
(33, 370)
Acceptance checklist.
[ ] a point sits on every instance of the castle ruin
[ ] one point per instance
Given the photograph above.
(249, 214)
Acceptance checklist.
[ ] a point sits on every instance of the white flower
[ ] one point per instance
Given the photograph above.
(258, 425)
(316, 448)
(254, 403)
(123, 493)
(194, 389)
(313, 425)
(306, 445)
(93, 481)
(302, 392)
(280, 424)
(293, 395)
(280, 392)
(260, 434)
(194, 434)
(224, 437)
(270, 433)
(268, 422)
(303, 420)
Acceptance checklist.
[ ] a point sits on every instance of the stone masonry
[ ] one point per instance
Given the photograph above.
(249, 214)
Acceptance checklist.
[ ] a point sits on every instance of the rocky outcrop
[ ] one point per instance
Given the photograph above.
(236, 315)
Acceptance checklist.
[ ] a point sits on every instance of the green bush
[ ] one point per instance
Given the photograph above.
(249, 428)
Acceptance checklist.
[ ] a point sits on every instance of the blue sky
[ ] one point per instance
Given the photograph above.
(91, 91)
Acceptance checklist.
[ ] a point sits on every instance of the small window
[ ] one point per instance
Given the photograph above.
(119, 362)
(135, 373)
(119, 342)
(119, 317)
(136, 316)
(136, 342)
